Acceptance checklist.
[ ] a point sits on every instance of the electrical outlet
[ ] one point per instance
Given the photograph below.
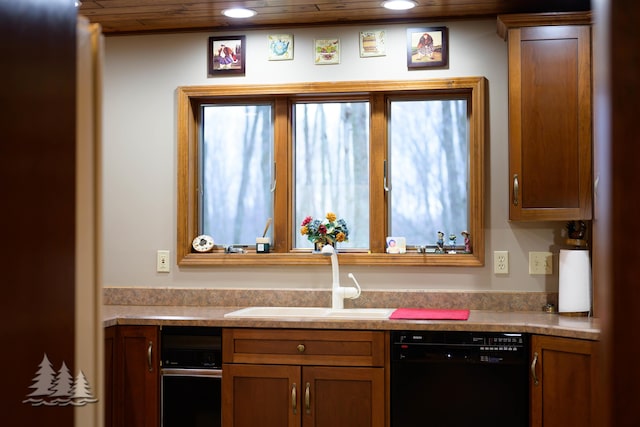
(162, 262)
(540, 263)
(501, 262)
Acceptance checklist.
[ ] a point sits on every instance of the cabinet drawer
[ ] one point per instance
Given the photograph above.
(303, 347)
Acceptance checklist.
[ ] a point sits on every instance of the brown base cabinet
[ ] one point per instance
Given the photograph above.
(291, 378)
(324, 378)
(562, 382)
(132, 381)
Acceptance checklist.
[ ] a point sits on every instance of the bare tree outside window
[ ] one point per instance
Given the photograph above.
(332, 166)
(429, 185)
(237, 158)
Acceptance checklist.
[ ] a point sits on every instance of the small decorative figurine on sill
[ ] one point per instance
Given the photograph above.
(440, 243)
(452, 243)
(467, 241)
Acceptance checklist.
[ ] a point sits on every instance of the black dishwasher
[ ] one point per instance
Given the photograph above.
(459, 379)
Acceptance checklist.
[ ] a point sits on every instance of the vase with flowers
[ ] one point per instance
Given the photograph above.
(329, 231)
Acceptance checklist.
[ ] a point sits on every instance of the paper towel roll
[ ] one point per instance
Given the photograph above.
(575, 282)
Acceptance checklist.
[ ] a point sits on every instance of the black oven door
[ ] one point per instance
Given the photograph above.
(191, 397)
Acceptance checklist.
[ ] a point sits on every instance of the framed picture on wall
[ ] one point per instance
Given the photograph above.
(427, 47)
(226, 55)
(327, 51)
(280, 47)
(372, 43)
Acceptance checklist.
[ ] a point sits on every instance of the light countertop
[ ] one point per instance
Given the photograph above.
(534, 322)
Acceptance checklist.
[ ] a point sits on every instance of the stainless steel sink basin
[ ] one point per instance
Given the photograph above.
(311, 312)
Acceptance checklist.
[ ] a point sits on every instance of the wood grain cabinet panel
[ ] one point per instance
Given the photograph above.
(563, 382)
(292, 378)
(550, 121)
(132, 376)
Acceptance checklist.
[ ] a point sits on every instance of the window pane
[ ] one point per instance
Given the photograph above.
(429, 158)
(237, 158)
(332, 167)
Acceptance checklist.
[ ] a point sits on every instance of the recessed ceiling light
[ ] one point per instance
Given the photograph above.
(239, 12)
(399, 4)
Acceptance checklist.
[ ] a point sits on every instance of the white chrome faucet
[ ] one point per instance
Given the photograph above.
(339, 293)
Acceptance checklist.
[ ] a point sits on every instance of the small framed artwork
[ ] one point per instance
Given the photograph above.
(372, 43)
(226, 55)
(327, 51)
(396, 245)
(427, 47)
(280, 47)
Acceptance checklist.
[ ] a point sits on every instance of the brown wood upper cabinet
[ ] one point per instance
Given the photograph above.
(550, 137)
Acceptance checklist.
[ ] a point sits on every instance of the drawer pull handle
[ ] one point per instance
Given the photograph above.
(533, 368)
(301, 348)
(307, 398)
(294, 399)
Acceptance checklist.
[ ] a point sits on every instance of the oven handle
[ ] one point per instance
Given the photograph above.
(183, 372)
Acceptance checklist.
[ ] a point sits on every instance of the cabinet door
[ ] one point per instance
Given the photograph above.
(261, 395)
(343, 397)
(109, 374)
(562, 384)
(137, 396)
(550, 153)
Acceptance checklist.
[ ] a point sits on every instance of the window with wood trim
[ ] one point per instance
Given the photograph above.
(394, 158)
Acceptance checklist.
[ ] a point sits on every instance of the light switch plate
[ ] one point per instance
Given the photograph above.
(540, 263)
(162, 262)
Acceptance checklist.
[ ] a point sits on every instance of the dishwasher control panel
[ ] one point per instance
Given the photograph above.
(472, 347)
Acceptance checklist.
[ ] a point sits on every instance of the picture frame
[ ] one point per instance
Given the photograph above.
(226, 56)
(327, 51)
(372, 43)
(396, 245)
(427, 47)
(280, 47)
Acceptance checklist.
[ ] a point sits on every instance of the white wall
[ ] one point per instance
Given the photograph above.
(140, 156)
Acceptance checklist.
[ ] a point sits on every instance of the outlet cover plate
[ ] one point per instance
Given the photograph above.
(501, 262)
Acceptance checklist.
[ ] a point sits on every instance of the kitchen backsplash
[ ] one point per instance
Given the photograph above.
(473, 300)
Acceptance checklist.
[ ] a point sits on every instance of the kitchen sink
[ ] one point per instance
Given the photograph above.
(361, 313)
(311, 312)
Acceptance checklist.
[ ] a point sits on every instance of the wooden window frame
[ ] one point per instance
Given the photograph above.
(189, 100)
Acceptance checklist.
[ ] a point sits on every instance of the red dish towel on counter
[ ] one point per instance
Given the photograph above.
(429, 314)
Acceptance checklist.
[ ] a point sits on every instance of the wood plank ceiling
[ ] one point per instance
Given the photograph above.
(153, 16)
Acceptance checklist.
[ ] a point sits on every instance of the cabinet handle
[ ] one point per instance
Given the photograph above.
(307, 398)
(301, 348)
(516, 189)
(149, 356)
(533, 368)
(294, 399)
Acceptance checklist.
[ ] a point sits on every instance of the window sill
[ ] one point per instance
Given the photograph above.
(255, 259)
